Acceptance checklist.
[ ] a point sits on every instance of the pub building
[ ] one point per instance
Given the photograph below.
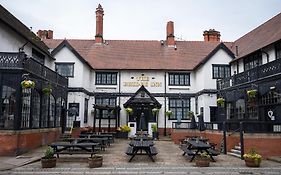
(33, 95)
(108, 76)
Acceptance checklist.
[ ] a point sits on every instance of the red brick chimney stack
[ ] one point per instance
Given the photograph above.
(45, 34)
(99, 25)
(211, 35)
(170, 34)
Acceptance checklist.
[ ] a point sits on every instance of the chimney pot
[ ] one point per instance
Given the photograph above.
(211, 35)
(170, 34)
(45, 34)
(99, 25)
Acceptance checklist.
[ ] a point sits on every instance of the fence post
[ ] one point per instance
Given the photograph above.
(242, 139)
(224, 138)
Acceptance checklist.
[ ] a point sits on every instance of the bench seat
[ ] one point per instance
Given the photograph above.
(213, 152)
(129, 151)
(153, 151)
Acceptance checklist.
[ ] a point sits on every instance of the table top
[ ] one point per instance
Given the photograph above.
(199, 144)
(136, 143)
(73, 144)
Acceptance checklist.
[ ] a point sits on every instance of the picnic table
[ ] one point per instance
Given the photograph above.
(102, 141)
(194, 147)
(74, 148)
(137, 148)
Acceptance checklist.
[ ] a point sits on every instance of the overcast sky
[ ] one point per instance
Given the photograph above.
(144, 19)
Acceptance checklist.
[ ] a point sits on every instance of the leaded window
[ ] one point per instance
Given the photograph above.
(252, 61)
(221, 71)
(8, 108)
(52, 111)
(65, 69)
(179, 108)
(278, 50)
(45, 111)
(35, 109)
(26, 106)
(179, 79)
(58, 111)
(105, 101)
(106, 78)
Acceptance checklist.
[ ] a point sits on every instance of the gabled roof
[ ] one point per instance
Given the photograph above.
(8, 19)
(141, 55)
(262, 36)
(66, 44)
(148, 98)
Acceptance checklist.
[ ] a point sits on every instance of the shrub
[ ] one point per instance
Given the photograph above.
(253, 155)
(49, 153)
(125, 128)
(154, 127)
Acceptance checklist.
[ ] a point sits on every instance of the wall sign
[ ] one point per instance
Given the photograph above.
(142, 80)
(73, 109)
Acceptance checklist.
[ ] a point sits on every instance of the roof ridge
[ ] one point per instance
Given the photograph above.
(258, 27)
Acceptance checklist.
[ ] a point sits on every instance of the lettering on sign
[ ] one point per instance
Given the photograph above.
(142, 80)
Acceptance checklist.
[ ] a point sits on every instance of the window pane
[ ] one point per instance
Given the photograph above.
(45, 110)
(52, 112)
(176, 79)
(65, 69)
(114, 78)
(26, 103)
(181, 80)
(8, 107)
(35, 109)
(58, 111)
(171, 79)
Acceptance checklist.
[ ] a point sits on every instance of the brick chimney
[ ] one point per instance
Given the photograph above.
(99, 25)
(170, 34)
(211, 35)
(45, 34)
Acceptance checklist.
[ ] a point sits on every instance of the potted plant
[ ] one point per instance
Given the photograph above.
(190, 114)
(27, 84)
(123, 131)
(252, 159)
(169, 113)
(221, 101)
(95, 161)
(252, 93)
(49, 161)
(155, 133)
(47, 90)
(202, 160)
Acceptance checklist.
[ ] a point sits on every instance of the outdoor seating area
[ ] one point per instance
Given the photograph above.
(195, 146)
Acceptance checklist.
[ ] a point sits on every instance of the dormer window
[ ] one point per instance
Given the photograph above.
(252, 61)
(65, 69)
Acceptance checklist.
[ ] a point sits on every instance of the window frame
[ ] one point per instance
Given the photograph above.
(219, 66)
(65, 63)
(178, 75)
(109, 100)
(104, 78)
(278, 50)
(253, 60)
(182, 107)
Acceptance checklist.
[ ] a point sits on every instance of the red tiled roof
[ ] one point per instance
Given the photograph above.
(140, 55)
(264, 35)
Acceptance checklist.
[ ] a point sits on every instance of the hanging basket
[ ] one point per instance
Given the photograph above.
(27, 84)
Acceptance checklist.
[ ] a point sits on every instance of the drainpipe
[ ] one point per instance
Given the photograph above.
(165, 102)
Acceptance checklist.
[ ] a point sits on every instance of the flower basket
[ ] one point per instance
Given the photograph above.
(202, 160)
(252, 159)
(155, 111)
(27, 84)
(168, 113)
(47, 90)
(252, 93)
(129, 111)
(221, 101)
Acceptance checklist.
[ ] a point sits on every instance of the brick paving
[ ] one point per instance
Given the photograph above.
(168, 161)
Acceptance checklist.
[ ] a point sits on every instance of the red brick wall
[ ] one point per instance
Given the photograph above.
(265, 144)
(18, 142)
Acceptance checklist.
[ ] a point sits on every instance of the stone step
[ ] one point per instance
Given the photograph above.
(238, 147)
(235, 151)
(234, 154)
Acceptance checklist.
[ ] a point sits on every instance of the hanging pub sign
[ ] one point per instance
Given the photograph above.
(73, 109)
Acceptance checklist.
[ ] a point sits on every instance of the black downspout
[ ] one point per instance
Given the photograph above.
(242, 139)
(165, 103)
(224, 138)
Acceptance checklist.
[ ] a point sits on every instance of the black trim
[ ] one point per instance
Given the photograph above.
(66, 44)
(179, 74)
(220, 46)
(106, 73)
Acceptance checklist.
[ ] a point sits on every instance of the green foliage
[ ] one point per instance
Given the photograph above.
(190, 114)
(129, 111)
(47, 90)
(125, 128)
(252, 93)
(27, 84)
(221, 101)
(253, 155)
(169, 113)
(154, 127)
(155, 111)
(49, 153)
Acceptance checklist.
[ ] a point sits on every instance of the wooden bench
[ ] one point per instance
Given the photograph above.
(213, 152)
(129, 151)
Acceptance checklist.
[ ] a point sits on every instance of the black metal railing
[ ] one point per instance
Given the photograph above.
(262, 71)
(21, 61)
